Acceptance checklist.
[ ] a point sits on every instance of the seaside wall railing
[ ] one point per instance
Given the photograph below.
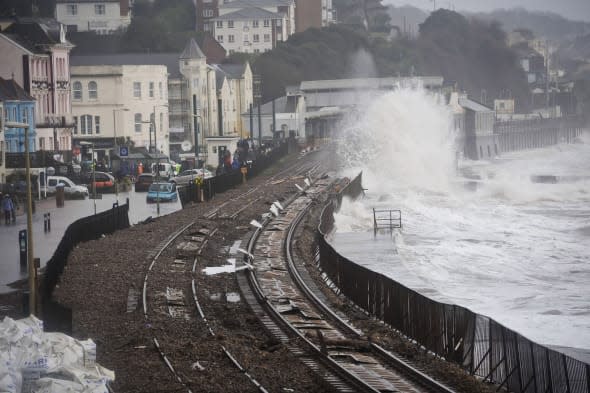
(477, 343)
(226, 181)
(535, 133)
(55, 316)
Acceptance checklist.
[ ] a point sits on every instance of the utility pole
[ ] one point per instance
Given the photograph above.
(257, 81)
(196, 128)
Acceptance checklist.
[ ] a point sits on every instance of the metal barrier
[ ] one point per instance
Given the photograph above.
(84, 229)
(477, 343)
(226, 181)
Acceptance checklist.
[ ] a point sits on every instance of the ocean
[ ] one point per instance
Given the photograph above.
(507, 247)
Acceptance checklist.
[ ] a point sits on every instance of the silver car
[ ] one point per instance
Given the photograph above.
(185, 177)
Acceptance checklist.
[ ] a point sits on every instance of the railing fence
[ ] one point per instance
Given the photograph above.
(477, 343)
(55, 316)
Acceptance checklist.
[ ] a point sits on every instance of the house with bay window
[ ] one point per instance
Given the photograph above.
(121, 104)
(36, 54)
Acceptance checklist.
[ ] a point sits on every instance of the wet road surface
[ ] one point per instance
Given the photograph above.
(45, 243)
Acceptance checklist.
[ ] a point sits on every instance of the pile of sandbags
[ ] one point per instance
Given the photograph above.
(32, 360)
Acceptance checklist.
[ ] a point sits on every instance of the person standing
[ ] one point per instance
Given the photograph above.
(7, 207)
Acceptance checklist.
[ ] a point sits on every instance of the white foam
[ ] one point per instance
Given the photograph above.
(514, 250)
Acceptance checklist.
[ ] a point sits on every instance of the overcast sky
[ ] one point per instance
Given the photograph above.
(571, 9)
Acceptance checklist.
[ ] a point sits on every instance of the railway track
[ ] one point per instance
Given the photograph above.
(292, 309)
(170, 292)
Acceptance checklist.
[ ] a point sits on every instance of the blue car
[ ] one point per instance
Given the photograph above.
(166, 192)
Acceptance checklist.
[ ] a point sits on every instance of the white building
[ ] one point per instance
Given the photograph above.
(120, 101)
(250, 30)
(100, 16)
(285, 8)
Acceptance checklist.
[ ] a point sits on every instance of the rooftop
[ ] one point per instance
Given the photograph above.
(249, 13)
(256, 3)
(371, 83)
(11, 91)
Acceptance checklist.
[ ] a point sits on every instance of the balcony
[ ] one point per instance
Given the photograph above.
(56, 121)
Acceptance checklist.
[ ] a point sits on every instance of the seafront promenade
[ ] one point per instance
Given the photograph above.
(45, 243)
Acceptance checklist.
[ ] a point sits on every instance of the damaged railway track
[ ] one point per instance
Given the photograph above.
(174, 283)
(291, 308)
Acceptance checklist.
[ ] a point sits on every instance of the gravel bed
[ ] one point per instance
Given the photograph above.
(99, 275)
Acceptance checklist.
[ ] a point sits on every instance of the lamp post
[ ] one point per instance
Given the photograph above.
(115, 146)
(30, 260)
(196, 118)
(83, 143)
(158, 160)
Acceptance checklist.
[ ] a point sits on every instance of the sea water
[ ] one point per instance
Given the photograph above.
(509, 248)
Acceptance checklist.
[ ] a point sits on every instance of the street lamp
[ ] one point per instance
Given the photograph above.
(91, 144)
(156, 106)
(30, 264)
(115, 125)
(115, 146)
(196, 126)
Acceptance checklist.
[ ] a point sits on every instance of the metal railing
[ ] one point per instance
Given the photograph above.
(57, 317)
(386, 219)
(226, 181)
(477, 343)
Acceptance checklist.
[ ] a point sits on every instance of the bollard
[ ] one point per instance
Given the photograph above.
(48, 222)
(59, 195)
(22, 242)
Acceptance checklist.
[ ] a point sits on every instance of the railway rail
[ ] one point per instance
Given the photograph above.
(170, 299)
(292, 309)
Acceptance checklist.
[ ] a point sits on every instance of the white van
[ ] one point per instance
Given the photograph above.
(70, 188)
(165, 170)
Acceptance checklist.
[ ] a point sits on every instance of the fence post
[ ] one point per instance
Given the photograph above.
(549, 371)
(567, 377)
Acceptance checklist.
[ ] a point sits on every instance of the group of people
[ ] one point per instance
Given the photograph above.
(9, 207)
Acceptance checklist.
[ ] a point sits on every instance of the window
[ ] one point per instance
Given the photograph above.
(24, 114)
(207, 13)
(137, 89)
(99, 9)
(138, 122)
(267, 38)
(97, 124)
(230, 24)
(255, 23)
(256, 50)
(151, 90)
(160, 89)
(256, 37)
(75, 118)
(72, 9)
(92, 90)
(246, 37)
(77, 88)
(267, 23)
(219, 24)
(86, 124)
(230, 38)
(220, 39)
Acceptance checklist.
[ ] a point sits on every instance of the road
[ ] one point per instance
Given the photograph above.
(45, 243)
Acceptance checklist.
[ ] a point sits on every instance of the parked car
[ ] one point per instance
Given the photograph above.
(185, 177)
(70, 188)
(165, 192)
(144, 181)
(105, 182)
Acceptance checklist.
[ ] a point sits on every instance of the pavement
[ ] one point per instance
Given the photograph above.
(45, 243)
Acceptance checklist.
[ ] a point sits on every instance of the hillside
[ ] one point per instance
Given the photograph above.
(543, 24)
(471, 53)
